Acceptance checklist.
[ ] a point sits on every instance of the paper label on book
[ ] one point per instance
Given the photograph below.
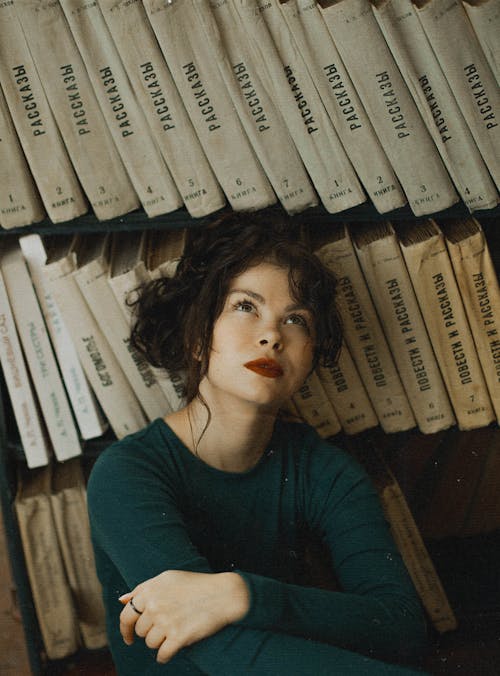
(425, 80)
(485, 19)
(191, 58)
(59, 189)
(315, 408)
(167, 117)
(147, 169)
(342, 104)
(390, 107)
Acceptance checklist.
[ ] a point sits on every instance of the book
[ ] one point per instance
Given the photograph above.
(323, 154)
(313, 406)
(142, 159)
(484, 16)
(101, 367)
(480, 291)
(163, 107)
(36, 128)
(20, 202)
(383, 265)
(345, 390)
(49, 585)
(191, 59)
(260, 117)
(431, 272)
(89, 418)
(437, 105)
(363, 334)
(463, 62)
(38, 352)
(24, 404)
(343, 104)
(91, 276)
(69, 508)
(75, 108)
(388, 103)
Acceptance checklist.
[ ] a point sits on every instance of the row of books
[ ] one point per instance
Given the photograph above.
(169, 103)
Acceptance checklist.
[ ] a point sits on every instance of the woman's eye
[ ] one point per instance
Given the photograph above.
(244, 306)
(299, 320)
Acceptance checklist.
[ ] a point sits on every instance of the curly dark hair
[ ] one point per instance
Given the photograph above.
(174, 317)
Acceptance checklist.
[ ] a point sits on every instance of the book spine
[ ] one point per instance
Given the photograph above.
(147, 170)
(164, 110)
(193, 66)
(19, 387)
(20, 202)
(468, 73)
(434, 99)
(59, 189)
(391, 109)
(315, 408)
(484, 16)
(342, 104)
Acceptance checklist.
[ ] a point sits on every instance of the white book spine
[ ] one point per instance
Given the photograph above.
(484, 16)
(315, 408)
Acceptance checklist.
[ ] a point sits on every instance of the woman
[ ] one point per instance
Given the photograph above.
(202, 520)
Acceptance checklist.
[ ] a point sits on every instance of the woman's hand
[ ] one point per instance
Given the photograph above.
(179, 608)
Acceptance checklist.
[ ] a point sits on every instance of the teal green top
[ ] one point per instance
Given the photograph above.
(155, 506)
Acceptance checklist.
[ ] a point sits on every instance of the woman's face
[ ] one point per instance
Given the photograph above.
(263, 342)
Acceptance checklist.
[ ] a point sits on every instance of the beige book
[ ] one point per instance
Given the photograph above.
(23, 400)
(431, 273)
(20, 202)
(145, 165)
(326, 160)
(437, 105)
(484, 16)
(39, 355)
(162, 105)
(89, 418)
(391, 289)
(480, 291)
(49, 585)
(36, 128)
(91, 275)
(260, 117)
(345, 389)
(162, 251)
(101, 367)
(364, 336)
(75, 108)
(468, 73)
(343, 104)
(389, 104)
(69, 507)
(313, 405)
(191, 59)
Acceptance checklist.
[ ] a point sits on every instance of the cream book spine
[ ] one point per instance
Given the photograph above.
(20, 202)
(429, 266)
(480, 292)
(260, 117)
(345, 390)
(92, 280)
(315, 408)
(36, 128)
(22, 397)
(327, 162)
(437, 105)
(343, 104)
(388, 102)
(88, 416)
(39, 355)
(463, 62)
(192, 63)
(484, 16)
(144, 164)
(391, 289)
(101, 367)
(364, 336)
(74, 105)
(163, 107)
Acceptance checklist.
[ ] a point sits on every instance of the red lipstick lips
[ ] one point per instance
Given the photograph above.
(265, 367)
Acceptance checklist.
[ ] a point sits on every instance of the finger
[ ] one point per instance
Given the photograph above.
(170, 647)
(125, 598)
(128, 620)
(155, 637)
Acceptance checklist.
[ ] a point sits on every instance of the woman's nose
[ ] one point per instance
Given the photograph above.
(272, 336)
